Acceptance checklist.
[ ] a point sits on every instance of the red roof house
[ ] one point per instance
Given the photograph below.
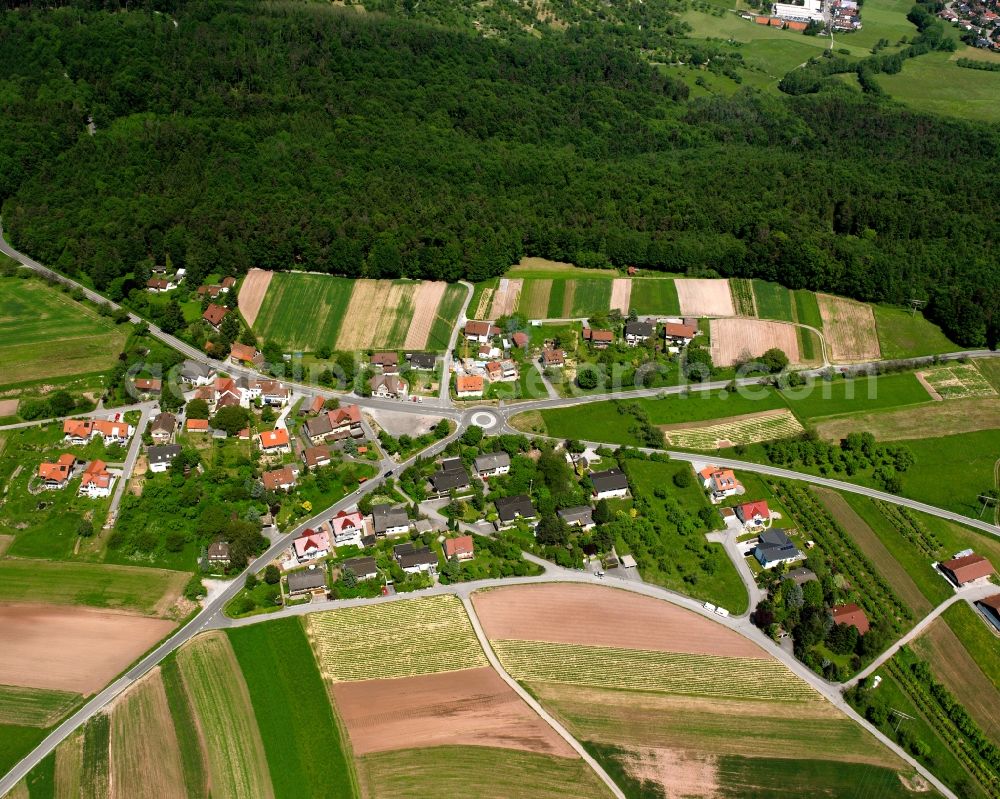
(462, 547)
(967, 568)
(214, 314)
(197, 425)
(274, 439)
(851, 615)
(753, 513)
(56, 474)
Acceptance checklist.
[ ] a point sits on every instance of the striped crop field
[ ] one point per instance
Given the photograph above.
(33, 707)
(660, 672)
(743, 296)
(395, 639)
(766, 426)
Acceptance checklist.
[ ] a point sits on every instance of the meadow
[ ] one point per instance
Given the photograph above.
(192, 753)
(32, 707)
(902, 334)
(445, 316)
(981, 644)
(773, 300)
(49, 337)
(307, 757)
(934, 83)
(654, 296)
(303, 311)
(822, 398)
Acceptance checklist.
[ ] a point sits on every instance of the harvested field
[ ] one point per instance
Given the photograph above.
(5, 542)
(677, 773)
(534, 300)
(476, 772)
(237, 762)
(738, 340)
(372, 314)
(876, 551)
(750, 428)
(849, 327)
(474, 707)
(426, 300)
(32, 707)
(943, 418)
(655, 671)
(8, 407)
(599, 616)
(396, 639)
(252, 292)
(19, 791)
(621, 294)
(956, 381)
(505, 297)
(145, 754)
(71, 648)
(961, 675)
(69, 767)
(705, 297)
(778, 729)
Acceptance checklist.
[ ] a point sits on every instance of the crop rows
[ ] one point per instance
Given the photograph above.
(908, 526)
(32, 707)
(395, 639)
(746, 431)
(877, 597)
(743, 299)
(641, 670)
(959, 381)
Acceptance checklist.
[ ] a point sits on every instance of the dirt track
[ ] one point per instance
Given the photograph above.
(470, 707)
(252, 293)
(71, 648)
(599, 616)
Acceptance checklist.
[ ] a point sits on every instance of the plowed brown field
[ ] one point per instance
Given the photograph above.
(252, 293)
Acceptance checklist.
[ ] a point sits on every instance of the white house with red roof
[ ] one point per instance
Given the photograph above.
(348, 528)
(754, 515)
(312, 544)
(80, 431)
(721, 483)
(275, 441)
(463, 548)
(55, 476)
(97, 480)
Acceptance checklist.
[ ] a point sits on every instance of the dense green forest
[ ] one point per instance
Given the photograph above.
(238, 134)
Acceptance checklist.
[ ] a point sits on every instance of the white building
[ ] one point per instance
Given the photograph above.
(811, 9)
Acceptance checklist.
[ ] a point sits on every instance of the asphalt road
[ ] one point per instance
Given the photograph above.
(133, 454)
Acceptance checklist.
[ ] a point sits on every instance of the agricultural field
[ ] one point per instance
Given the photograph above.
(951, 471)
(237, 762)
(916, 421)
(301, 311)
(737, 341)
(743, 296)
(750, 429)
(902, 334)
(956, 381)
(559, 298)
(654, 296)
(849, 327)
(821, 398)
(473, 772)
(936, 84)
(51, 338)
(506, 296)
(307, 758)
(33, 707)
(773, 301)
(704, 297)
(977, 639)
(376, 641)
(445, 317)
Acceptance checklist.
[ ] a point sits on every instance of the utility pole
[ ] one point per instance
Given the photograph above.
(916, 305)
(899, 717)
(987, 501)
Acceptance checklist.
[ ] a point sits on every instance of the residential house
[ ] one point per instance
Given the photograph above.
(56, 475)
(450, 476)
(315, 457)
(362, 568)
(468, 386)
(552, 357)
(214, 314)
(966, 568)
(279, 479)
(271, 392)
(162, 428)
(801, 575)
(227, 391)
(990, 608)
(508, 370)
(598, 339)
(721, 483)
(510, 509)
(211, 292)
(851, 615)
(492, 464)
(348, 528)
(754, 515)
(160, 457)
(414, 560)
(159, 284)
(275, 442)
(637, 333)
(345, 420)
(148, 385)
(774, 547)
(463, 548)
(197, 425)
(520, 340)
(387, 361)
(581, 516)
(80, 431)
(387, 386)
(480, 332)
(228, 282)
(488, 352)
(389, 520)
(307, 581)
(218, 553)
(196, 373)
(679, 334)
(312, 544)
(243, 353)
(424, 361)
(96, 481)
(609, 484)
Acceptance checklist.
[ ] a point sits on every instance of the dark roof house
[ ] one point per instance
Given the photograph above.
(510, 508)
(306, 580)
(451, 475)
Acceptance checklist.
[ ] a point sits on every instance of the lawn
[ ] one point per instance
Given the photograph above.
(934, 83)
(46, 335)
(774, 301)
(303, 311)
(654, 296)
(821, 398)
(981, 644)
(92, 584)
(447, 314)
(473, 772)
(905, 335)
(307, 757)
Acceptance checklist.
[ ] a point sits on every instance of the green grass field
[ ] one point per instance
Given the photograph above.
(952, 471)
(303, 311)
(301, 736)
(17, 741)
(793, 778)
(981, 644)
(47, 336)
(557, 295)
(774, 301)
(447, 313)
(905, 335)
(934, 83)
(95, 585)
(861, 395)
(807, 308)
(473, 772)
(654, 296)
(34, 707)
(182, 713)
(591, 297)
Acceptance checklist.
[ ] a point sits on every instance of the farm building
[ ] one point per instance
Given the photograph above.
(610, 484)
(851, 615)
(492, 464)
(307, 581)
(463, 548)
(159, 457)
(990, 608)
(775, 548)
(965, 569)
(389, 520)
